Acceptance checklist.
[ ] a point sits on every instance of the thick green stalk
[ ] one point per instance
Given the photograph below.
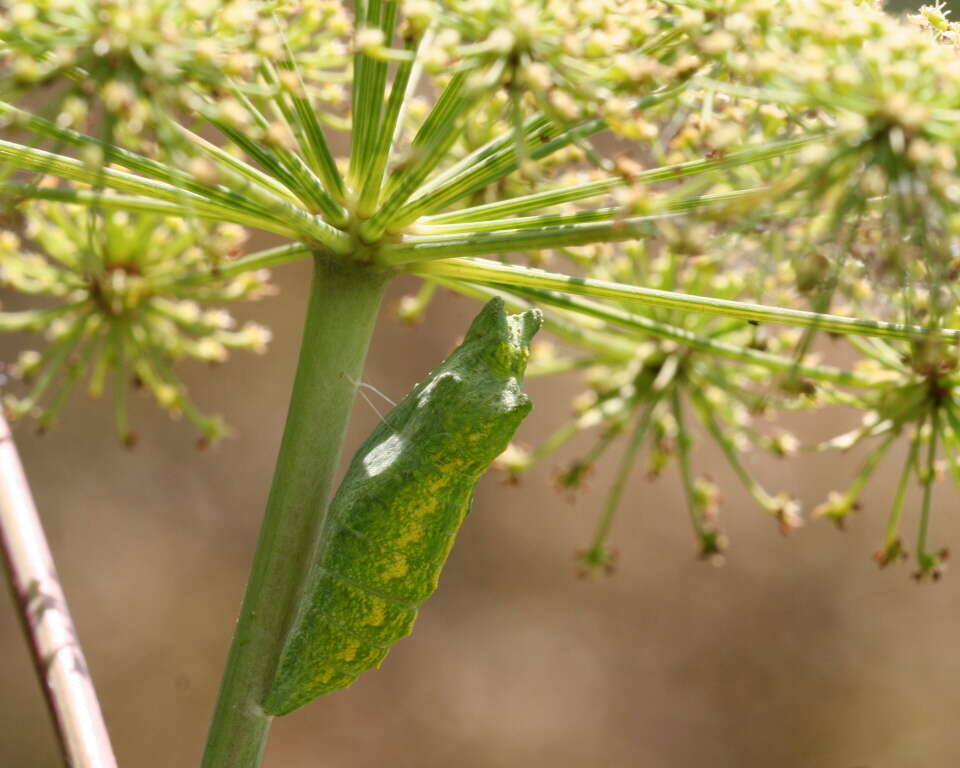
(344, 300)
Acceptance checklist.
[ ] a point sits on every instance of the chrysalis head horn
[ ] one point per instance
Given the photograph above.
(508, 336)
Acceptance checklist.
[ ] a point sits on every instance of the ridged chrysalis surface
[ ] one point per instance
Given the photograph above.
(394, 518)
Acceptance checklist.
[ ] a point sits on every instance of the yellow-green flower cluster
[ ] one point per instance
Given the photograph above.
(855, 217)
(574, 60)
(143, 61)
(886, 94)
(128, 299)
(920, 403)
(655, 395)
(770, 157)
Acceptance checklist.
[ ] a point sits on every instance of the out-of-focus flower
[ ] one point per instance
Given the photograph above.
(131, 66)
(128, 299)
(648, 399)
(921, 403)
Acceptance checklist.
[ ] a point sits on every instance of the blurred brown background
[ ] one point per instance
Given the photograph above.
(798, 653)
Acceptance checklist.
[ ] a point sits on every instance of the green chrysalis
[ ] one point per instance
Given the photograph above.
(393, 520)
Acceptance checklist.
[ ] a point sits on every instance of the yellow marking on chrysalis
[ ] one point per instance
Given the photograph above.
(377, 614)
(412, 532)
(504, 355)
(448, 469)
(428, 506)
(323, 676)
(349, 652)
(396, 570)
(433, 488)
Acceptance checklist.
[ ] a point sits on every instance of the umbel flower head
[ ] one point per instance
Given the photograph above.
(574, 59)
(652, 394)
(128, 295)
(769, 153)
(884, 93)
(130, 65)
(920, 402)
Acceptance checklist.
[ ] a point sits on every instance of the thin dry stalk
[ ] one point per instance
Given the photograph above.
(59, 659)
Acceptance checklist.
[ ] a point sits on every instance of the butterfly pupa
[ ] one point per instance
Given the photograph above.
(393, 520)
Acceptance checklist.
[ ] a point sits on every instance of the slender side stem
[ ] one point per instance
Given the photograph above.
(35, 319)
(892, 535)
(344, 301)
(684, 444)
(426, 227)
(435, 137)
(602, 533)
(924, 558)
(370, 192)
(18, 191)
(509, 275)
(701, 343)
(422, 248)
(606, 345)
(514, 205)
(265, 259)
(46, 620)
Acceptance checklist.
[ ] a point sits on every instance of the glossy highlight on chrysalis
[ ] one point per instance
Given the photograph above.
(394, 518)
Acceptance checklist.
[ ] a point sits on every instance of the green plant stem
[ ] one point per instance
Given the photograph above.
(645, 326)
(892, 534)
(509, 276)
(684, 445)
(602, 533)
(95, 198)
(426, 227)
(344, 300)
(420, 248)
(604, 344)
(35, 319)
(265, 259)
(928, 478)
(550, 197)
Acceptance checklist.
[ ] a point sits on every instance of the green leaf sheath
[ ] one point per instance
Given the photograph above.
(394, 518)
